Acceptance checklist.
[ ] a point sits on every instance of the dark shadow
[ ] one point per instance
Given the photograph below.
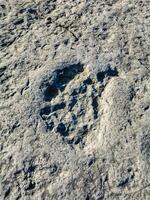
(108, 72)
(31, 186)
(62, 130)
(64, 76)
(95, 106)
(45, 111)
(58, 106)
(61, 79)
(50, 92)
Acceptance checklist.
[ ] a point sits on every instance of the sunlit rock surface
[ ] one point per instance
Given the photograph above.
(75, 99)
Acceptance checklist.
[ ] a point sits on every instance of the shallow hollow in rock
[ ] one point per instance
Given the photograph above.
(60, 79)
(50, 92)
(70, 91)
(108, 71)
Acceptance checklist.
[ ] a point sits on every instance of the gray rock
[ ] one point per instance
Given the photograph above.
(75, 99)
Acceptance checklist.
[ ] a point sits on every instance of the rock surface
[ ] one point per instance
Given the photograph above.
(75, 99)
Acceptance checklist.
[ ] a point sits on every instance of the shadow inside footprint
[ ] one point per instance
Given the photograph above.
(50, 93)
(108, 71)
(60, 79)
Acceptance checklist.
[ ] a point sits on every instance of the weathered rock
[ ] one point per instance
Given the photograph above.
(75, 99)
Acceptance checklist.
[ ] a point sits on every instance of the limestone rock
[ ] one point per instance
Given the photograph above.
(75, 99)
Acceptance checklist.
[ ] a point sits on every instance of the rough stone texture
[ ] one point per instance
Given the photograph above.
(75, 99)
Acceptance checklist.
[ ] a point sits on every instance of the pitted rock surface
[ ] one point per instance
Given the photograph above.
(75, 100)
